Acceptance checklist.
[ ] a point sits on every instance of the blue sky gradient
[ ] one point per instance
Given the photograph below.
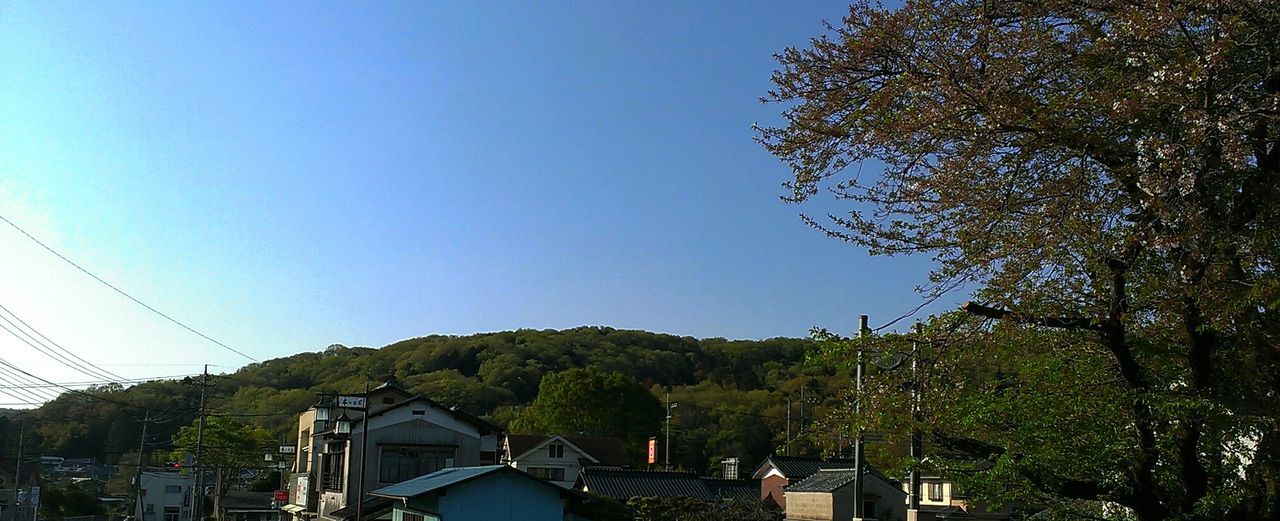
(291, 175)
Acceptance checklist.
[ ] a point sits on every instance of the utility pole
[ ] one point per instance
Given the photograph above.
(137, 475)
(364, 450)
(917, 444)
(787, 447)
(859, 458)
(669, 407)
(197, 495)
(17, 470)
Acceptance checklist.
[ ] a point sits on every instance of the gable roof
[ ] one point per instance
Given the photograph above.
(445, 478)
(600, 450)
(795, 468)
(624, 484)
(483, 426)
(824, 481)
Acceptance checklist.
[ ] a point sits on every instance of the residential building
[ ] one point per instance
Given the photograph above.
(164, 496)
(559, 459)
(486, 493)
(828, 495)
(776, 472)
(624, 484)
(242, 505)
(408, 436)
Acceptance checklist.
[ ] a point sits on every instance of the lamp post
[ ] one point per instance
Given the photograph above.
(342, 426)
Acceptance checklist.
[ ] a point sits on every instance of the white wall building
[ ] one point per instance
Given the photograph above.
(164, 496)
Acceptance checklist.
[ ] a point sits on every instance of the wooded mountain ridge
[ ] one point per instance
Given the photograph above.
(732, 394)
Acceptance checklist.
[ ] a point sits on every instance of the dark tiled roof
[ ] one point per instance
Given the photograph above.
(245, 500)
(609, 452)
(797, 468)
(443, 479)
(624, 484)
(373, 507)
(741, 489)
(824, 481)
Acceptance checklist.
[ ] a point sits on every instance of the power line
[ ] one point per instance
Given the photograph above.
(82, 366)
(120, 291)
(5, 363)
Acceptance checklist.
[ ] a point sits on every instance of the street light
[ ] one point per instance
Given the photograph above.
(342, 426)
(323, 409)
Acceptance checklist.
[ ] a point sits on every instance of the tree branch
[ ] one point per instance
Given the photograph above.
(1055, 322)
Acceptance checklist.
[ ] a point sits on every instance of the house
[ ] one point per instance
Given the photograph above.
(407, 436)
(939, 499)
(559, 459)
(624, 484)
(828, 495)
(164, 496)
(776, 472)
(242, 505)
(487, 493)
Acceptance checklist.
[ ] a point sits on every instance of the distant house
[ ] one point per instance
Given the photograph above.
(828, 495)
(164, 496)
(940, 500)
(776, 472)
(487, 493)
(624, 484)
(242, 505)
(409, 436)
(559, 459)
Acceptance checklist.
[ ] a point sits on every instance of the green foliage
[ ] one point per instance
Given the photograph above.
(689, 509)
(592, 402)
(69, 499)
(1106, 177)
(228, 445)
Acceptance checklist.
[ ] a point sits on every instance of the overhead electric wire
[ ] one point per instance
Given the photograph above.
(18, 390)
(103, 382)
(5, 363)
(122, 292)
(61, 354)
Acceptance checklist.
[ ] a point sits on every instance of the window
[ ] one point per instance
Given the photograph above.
(412, 516)
(151, 507)
(171, 513)
(547, 473)
(334, 467)
(935, 492)
(173, 489)
(397, 464)
(555, 450)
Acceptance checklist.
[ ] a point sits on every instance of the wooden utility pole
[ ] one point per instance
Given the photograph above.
(197, 495)
(17, 470)
(859, 458)
(137, 475)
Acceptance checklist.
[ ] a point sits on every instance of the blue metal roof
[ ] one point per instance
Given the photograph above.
(440, 479)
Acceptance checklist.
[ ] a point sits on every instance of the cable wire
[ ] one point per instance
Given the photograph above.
(82, 366)
(120, 291)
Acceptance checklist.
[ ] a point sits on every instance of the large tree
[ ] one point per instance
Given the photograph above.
(1106, 174)
(226, 446)
(588, 401)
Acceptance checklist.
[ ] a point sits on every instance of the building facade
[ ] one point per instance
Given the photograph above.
(407, 436)
(559, 459)
(164, 496)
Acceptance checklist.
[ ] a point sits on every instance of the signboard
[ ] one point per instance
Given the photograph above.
(281, 496)
(653, 450)
(300, 495)
(351, 402)
(288, 449)
(35, 499)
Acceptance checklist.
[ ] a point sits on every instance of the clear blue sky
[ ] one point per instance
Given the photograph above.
(284, 176)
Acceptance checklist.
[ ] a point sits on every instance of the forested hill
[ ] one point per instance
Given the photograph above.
(733, 391)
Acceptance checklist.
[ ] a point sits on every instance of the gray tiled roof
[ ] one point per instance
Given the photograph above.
(824, 481)
(740, 489)
(797, 468)
(625, 484)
